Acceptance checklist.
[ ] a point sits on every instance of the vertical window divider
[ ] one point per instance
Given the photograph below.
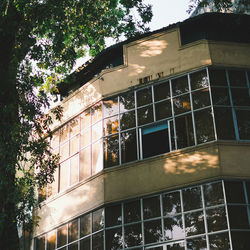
(247, 201)
(123, 230)
(169, 135)
(183, 218)
(162, 220)
(248, 82)
(91, 146)
(79, 236)
(153, 102)
(119, 133)
(142, 222)
(138, 134)
(233, 109)
(212, 106)
(192, 109)
(172, 107)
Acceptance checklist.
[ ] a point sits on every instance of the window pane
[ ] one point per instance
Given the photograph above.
(85, 119)
(85, 137)
(111, 151)
(197, 244)
(74, 145)
(241, 240)
(145, 115)
(173, 228)
(220, 96)
(248, 190)
(191, 198)
(96, 131)
(64, 175)
(74, 127)
(97, 157)
(133, 235)
(62, 236)
(53, 187)
(237, 78)
(113, 215)
(114, 239)
(234, 192)
(224, 123)
(64, 133)
(98, 220)
(213, 194)
(51, 240)
(199, 80)
(194, 223)
(40, 243)
(73, 246)
(201, 98)
(64, 151)
(73, 231)
(127, 101)
(219, 241)
(110, 107)
(96, 111)
(85, 163)
(204, 126)
(151, 207)
(238, 217)
(181, 104)
(144, 96)
(152, 231)
(171, 203)
(127, 120)
(216, 219)
(55, 140)
(111, 125)
(163, 110)
(243, 121)
(132, 211)
(240, 97)
(217, 77)
(184, 131)
(85, 225)
(161, 91)
(128, 146)
(176, 246)
(97, 241)
(180, 85)
(74, 169)
(85, 244)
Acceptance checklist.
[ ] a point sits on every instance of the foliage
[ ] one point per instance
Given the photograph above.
(51, 35)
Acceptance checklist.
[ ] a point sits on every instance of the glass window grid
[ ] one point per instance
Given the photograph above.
(172, 118)
(204, 208)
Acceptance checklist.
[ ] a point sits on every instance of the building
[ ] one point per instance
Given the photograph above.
(155, 144)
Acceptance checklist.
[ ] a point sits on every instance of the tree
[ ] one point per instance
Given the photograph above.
(50, 34)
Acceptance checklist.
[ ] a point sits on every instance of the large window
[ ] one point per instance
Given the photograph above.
(213, 215)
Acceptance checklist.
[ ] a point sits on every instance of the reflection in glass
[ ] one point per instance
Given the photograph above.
(85, 244)
(64, 151)
(74, 145)
(127, 120)
(201, 98)
(234, 192)
(73, 246)
(237, 78)
(240, 240)
(74, 127)
(73, 230)
(128, 146)
(85, 138)
(243, 121)
(224, 123)
(194, 223)
(40, 243)
(191, 198)
(240, 97)
(199, 80)
(132, 211)
(248, 190)
(152, 231)
(181, 104)
(114, 239)
(238, 217)
(85, 119)
(180, 85)
(51, 240)
(197, 243)
(144, 96)
(133, 235)
(219, 241)
(53, 187)
(145, 115)
(62, 236)
(220, 96)
(176, 246)
(151, 207)
(64, 175)
(98, 220)
(110, 107)
(111, 154)
(85, 221)
(111, 125)
(74, 169)
(161, 91)
(184, 131)
(96, 111)
(64, 133)
(213, 194)
(163, 110)
(97, 157)
(204, 125)
(113, 215)
(217, 77)
(171, 203)
(97, 241)
(216, 219)
(96, 131)
(173, 228)
(85, 163)
(127, 102)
